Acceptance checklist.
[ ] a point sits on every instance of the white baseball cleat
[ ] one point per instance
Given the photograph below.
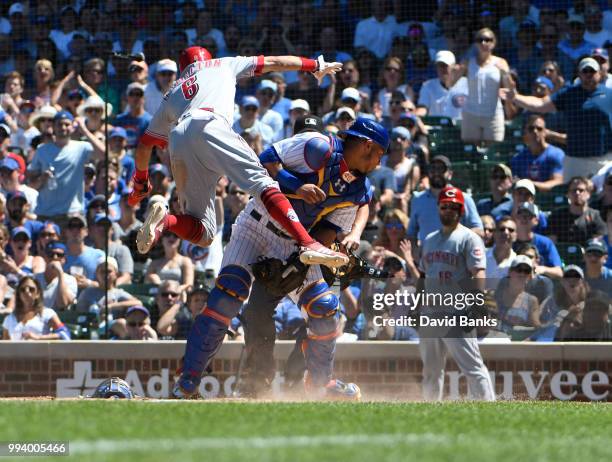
(317, 254)
(152, 228)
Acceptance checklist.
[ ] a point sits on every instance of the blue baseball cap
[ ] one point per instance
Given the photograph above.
(54, 225)
(118, 132)
(268, 84)
(401, 132)
(159, 168)
(55, 245)
(21, 230)
(545, 81)
(140, 308)
(100, 217)
(9, 163)
(63, 115)
(76, 93)
(369, 130)
(249, 101)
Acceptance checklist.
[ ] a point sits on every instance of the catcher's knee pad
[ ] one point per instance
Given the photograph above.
(231, 290)
(318, 301)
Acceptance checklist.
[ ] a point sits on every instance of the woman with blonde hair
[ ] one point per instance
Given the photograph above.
(31, 320)
(43, 78)
(390, 80)
(483, 113)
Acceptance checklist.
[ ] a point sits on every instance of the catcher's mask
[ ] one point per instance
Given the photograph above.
(113, 388)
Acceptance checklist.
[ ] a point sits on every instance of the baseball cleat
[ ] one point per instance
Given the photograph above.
(185, 388)
(152, 228)
(317, 254)
(338, 390)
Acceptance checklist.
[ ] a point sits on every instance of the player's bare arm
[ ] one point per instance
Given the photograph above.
(319, 67)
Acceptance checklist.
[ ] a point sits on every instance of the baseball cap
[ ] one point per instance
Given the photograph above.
(401, 132)
(596, 245)
(46, 112)
(308, 123)
(300, 104)
(345, 110)
(526, 184)
(522, 260)
(504, 168)
(166, 65)
(588, 62)
(78, 217)
(63, 115)
(118, 132)
(16, 195)
(159, 168)
(446, 57)
(569, 269)
(16, 8)
(267, 85)
(600, 53)
(350, 93)
(575, 18)
(96, 199)
(249, 101)
(111, 262)
(133, 309)
(20, 230)
(139, 64)
(100, 217)
(545, 81)
(530, 207)
(76, 93)
(445, 160)
(54, 225)
(9, 163)
(134, 86)
(6, 129)
(55, 245)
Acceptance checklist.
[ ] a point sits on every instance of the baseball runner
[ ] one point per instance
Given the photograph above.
(194, 120)
(326, 179)
(451, 256)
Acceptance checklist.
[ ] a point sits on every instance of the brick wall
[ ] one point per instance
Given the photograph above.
(384, 370)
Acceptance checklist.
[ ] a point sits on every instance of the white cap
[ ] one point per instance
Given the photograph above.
(46, 111)
(94, 101)
(112, 262)
(135, 85)
(351, 93)
(521, 260)
(527, 184)
(446, 57)
(588, 62)
(166, 65)
(300, 104)
(345, 110)
(16, 8)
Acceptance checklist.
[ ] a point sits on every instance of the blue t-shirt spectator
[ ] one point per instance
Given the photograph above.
(590, 112)
(88, 260)
(538, 167)
(69, 165)
(134, 126)
(549, 255)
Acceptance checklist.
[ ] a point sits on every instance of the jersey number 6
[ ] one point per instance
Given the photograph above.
(190, 87)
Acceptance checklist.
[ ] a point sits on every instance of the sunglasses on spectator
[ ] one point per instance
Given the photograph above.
(136, 94)
(536, 128)
(266, 93)
(75, 225)
(394, 226)
(502, 229)
(577, 190)
(21, 239)
(47, 234)
(56, 255)
(46, 119)
(392, 69)
(489, 230)
(588, 71)
(136, 324)
(396, 102)
(484, 39)
(135, 68)
(250, 108)
(93, 109)
(29, 289)
(522, 270)
(594, 253)
(169, 294)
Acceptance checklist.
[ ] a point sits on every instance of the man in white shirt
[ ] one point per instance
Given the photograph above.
(266, 91)
(595, 33)
(377, 32)
(165, 75)
(500, 256)
(436, 97)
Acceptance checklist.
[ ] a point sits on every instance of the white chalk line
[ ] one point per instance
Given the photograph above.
(273, 442)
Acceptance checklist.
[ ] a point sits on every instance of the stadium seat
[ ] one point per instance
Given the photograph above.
(140, 289)
(570, 253)
(81, 325)
(438, 121)
(464, 175)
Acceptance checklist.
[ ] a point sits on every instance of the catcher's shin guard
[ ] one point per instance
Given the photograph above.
(209, 328)
(322, 308)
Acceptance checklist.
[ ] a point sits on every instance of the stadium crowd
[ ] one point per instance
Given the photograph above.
(510, 101)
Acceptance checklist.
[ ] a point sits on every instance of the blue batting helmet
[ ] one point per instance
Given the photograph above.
(113, 388)
(369, 130)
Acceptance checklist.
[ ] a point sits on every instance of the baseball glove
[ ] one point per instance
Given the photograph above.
(278, 277)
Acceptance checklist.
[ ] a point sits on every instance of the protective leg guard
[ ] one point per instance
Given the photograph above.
(210, 326)
(322, 307)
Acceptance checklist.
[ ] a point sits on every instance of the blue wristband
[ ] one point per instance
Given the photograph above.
(288, 181)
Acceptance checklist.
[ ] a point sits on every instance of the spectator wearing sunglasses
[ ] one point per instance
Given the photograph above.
(249, 122)
(81, 260)
(172, 265)
(175, 318)
(393, 231)
(165, 76)
(589, 108)
(138, 324)
(22, 137)
(404, 165)
(135, 119)
(575, 45)
(538, 161)
(59, 288)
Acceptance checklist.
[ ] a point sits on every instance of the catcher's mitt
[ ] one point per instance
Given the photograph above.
(278, 277)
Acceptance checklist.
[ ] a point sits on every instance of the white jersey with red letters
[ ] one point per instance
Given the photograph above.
(209, 85)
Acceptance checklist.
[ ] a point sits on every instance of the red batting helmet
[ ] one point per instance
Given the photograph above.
(452, 194)
(191, 55)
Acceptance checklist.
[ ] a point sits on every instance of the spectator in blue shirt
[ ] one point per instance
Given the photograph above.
(575, 45)
(117, 144)
(422, 220)
(597, 275)
(538, 161)
(588, 105)
(135, 119)
(526, 221)
(81, 260)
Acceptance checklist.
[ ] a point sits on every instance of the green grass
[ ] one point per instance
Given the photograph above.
(373, 432)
